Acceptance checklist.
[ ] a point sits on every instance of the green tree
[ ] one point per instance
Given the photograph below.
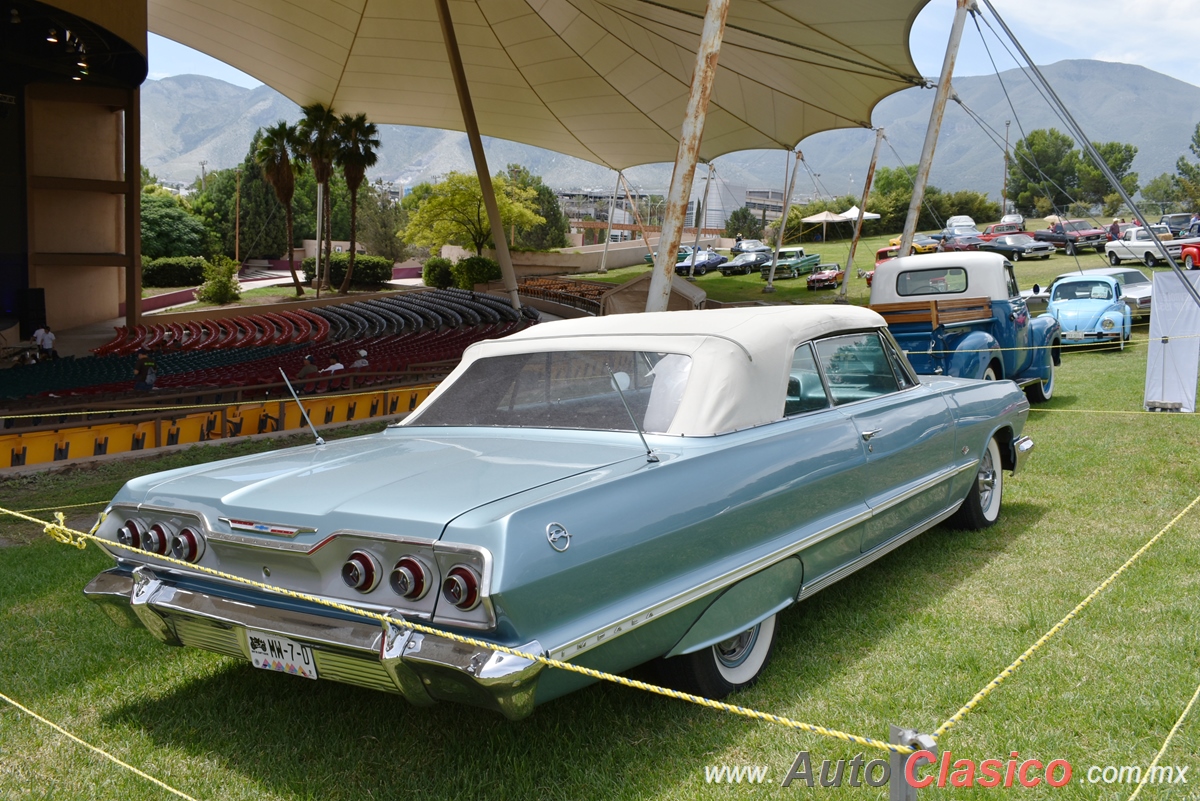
(318, 147)
(1094, 187)
(261, 232)
(168, 229)
(381, 221)
(274, 157)
(552, 232)
(745, 222)
(147, 178)
(1187, 174)
(894, 179)
(1045, 164)
(454, 213)
(1163, 192)
(357, 141)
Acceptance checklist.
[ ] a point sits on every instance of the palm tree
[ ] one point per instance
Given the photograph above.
(317, 140)
(357, 140)
(274, 156)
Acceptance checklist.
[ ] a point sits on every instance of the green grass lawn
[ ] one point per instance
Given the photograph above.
(906, 641)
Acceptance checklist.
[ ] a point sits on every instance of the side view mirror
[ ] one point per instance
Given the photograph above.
(1037, 290)
(620, 380)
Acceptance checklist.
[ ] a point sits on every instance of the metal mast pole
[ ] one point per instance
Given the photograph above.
(1004, 186)
(612, 205)
(935, 124)
(862, 211)
(637, 215)
(320, 233)
(703, 75)
(699, 218)
(481, 168)
(787, 206)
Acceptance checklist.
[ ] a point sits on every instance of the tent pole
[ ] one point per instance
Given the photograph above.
(935, 124)
(787, 206)
(690, 134)
(637, 215)
(862, 212)
(481, 168)
(698, 219)
(612, 205)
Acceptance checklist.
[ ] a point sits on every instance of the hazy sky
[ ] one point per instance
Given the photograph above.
(1159, 35)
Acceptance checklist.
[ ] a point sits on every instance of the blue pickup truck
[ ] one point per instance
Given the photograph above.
(962, 314)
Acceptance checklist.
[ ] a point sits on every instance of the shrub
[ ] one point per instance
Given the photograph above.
(220, 285)
(437, 273)
(174, 271)
(369, 271)
(475, 270)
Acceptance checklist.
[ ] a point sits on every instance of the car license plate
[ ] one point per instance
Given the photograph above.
(1073, 335)
(272, 652)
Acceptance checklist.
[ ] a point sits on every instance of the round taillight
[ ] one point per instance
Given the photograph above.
(461, 588)
(187, 545)
(410, 578)
(131, 533)
(361, 572)
(157, 538)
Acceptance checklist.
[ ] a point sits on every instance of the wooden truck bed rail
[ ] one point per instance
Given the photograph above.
(936, 311)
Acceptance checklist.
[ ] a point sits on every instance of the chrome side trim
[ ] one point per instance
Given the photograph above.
(598, 636)
(870, 556)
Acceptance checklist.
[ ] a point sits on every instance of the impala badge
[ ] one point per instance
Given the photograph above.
(558, 537)
(266, 528)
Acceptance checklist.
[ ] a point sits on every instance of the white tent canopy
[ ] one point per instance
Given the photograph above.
(824, 217)
(851, 214)
(603, 80)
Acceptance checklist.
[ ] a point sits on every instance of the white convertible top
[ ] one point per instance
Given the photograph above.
(740, 357)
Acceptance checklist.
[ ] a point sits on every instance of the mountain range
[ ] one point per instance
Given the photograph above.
(189, 119)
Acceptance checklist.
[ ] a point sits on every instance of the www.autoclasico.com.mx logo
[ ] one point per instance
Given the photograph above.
(928, 769)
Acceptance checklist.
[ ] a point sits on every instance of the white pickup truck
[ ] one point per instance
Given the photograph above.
(1137, 244)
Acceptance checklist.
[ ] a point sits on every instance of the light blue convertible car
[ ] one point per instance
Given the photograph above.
(607, 491)
(1090, 308)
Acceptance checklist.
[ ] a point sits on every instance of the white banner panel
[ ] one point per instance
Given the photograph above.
(1174, 344)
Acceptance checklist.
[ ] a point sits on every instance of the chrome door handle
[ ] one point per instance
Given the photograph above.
(866, 435)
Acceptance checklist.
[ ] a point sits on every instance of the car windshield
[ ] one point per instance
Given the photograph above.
(1018, 239)
(744, 258)
(1131, 277)
(1077, 225)
(1082, 290)
(564, 389)
(931, 282)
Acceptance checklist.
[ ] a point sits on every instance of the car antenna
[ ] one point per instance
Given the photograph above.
(303, 413)
(650, 457)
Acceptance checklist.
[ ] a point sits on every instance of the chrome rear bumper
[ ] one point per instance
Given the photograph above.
(423, 668)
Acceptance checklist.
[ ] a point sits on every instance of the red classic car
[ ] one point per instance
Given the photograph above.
(827, 278)
(1002, 229)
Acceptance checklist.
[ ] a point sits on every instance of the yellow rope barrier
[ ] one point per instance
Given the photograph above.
(1150, 770)
(61, 533)
(91, 747)
(1020, 660)
(68, 506)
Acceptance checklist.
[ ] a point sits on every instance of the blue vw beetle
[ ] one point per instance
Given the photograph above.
(1090, 309)
(613, 491)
